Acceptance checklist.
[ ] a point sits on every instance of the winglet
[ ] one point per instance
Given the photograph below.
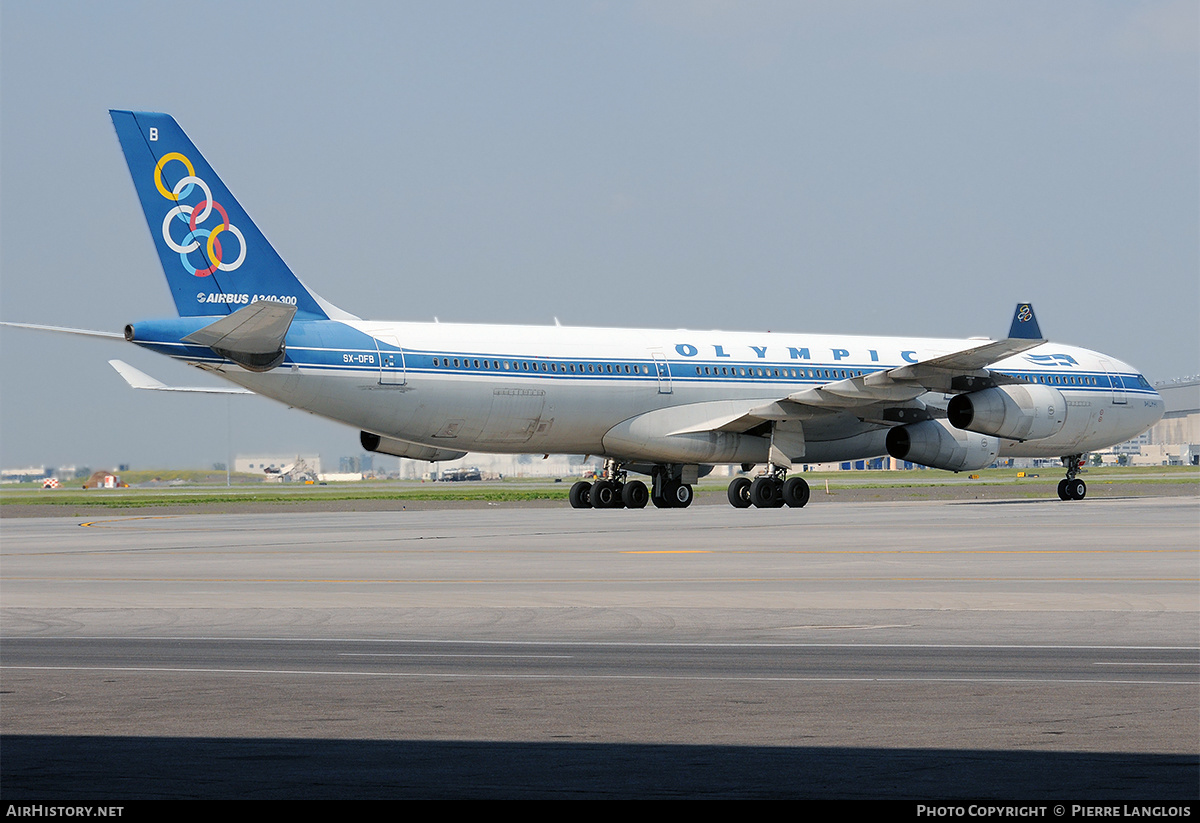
(1025, 324)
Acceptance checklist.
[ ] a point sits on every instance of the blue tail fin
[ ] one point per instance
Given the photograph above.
(215, 259)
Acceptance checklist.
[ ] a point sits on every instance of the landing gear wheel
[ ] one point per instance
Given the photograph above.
(764, 493)
(675, 495)
(1077, 489)
(604, 494)
(739, 493)
(1063, 494)
(634, 495)
(581, 495)
(795, 492)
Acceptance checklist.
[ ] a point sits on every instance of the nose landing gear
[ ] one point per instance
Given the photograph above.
(1072, 488)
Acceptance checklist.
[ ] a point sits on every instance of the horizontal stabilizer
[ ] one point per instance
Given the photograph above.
(251, 337)
(112, 335)
(140, 380)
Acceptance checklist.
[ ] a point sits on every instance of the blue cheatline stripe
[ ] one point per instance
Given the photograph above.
(331, 365)
(421, 362)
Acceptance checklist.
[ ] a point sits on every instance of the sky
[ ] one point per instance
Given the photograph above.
(889, 168)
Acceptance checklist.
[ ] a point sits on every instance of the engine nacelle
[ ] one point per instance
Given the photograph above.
(1020, 412)
(935, 444)
(402, 448)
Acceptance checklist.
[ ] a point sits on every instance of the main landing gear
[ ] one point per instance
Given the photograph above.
(1072, 488)
(613, 490)
(769, 491)
(670, 492)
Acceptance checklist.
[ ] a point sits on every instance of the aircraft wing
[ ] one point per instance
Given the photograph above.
(887, 396)
(140, 380)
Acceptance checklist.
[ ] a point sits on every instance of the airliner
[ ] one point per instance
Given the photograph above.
(667, 405)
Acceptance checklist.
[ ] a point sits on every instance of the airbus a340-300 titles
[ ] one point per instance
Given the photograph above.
(667, 404)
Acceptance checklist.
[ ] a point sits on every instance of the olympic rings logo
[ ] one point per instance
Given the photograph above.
(1024, 314)
(192, 217)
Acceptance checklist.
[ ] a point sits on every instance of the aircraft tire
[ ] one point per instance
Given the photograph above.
(604, 495)
(581, 495)
(681, 495)
(1077, 489)
(1062, 490)
(764, 492)
(739, 493)
(635, 495)
(796, 492)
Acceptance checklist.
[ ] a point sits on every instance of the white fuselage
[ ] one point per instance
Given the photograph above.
(564, 389)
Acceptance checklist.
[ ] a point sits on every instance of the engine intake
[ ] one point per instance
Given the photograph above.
(1020, 412)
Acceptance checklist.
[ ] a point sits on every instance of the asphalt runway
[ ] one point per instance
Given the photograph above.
(1019, 650)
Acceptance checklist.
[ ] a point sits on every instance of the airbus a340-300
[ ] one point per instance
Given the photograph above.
(666, 404)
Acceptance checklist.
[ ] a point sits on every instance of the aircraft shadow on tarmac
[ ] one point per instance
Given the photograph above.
(44, 768)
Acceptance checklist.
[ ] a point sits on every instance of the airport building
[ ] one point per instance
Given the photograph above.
(501, 465)
(1174, 440)
(274, 463)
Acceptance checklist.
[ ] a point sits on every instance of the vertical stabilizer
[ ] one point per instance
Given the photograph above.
(215, 259)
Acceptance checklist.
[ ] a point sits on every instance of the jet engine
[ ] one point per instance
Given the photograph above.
(402, 448)
(1019, 412)
(933, 443)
